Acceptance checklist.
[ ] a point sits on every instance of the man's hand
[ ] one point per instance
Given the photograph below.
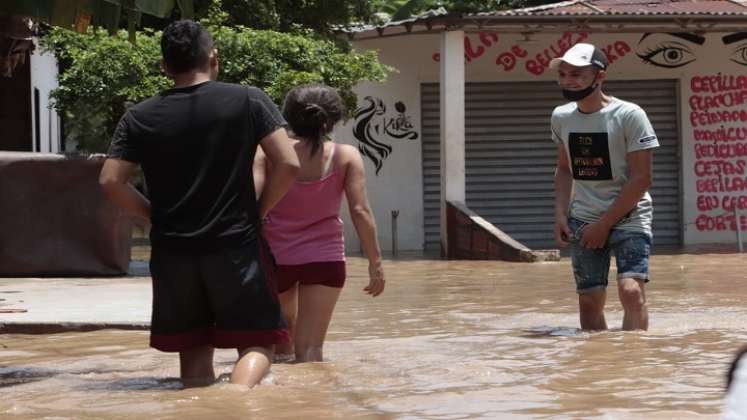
(562, 231)
(594, 235)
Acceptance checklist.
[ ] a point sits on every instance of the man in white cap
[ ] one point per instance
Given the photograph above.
(603, 174)
(735, 401)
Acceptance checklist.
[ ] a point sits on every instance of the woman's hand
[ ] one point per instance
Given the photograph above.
(376, 279)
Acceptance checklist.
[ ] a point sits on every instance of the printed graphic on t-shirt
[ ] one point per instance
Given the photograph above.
(590, 156)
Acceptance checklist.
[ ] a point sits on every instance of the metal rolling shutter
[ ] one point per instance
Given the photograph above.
(511, 159)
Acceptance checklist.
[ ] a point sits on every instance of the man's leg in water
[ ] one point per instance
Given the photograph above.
(632, 250)
(181, 318)
(591, 310)
(248, 316)
(633, 298)
(590, 270)
(253, 364)
(196, 366)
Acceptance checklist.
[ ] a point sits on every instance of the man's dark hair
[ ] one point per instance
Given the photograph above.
(185, 46)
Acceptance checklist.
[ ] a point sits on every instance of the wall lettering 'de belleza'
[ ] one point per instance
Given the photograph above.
(508, 56)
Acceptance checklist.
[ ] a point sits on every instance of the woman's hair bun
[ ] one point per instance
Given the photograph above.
(315, 113)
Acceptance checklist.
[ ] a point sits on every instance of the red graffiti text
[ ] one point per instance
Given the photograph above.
(476, 49)
(541, 61)
(720, 148)
(508, 59)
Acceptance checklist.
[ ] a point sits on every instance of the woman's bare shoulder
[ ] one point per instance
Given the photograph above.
(346, 151)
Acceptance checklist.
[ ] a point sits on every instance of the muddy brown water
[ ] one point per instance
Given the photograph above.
(447, 340)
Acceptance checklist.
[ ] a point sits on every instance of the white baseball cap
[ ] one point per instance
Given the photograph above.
(582, 55)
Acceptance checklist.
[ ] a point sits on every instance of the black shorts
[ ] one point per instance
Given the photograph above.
(225, 299)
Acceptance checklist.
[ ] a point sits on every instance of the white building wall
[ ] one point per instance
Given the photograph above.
(44, 78)
(713, 115)
(391, 119)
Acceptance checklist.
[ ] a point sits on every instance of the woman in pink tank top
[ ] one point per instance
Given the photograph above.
(304, 229)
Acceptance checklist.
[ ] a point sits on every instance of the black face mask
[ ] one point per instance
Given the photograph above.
(577, 95)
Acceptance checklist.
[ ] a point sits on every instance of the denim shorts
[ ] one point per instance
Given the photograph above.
(591, 266)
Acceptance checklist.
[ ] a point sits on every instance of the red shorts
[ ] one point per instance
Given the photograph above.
(325, 273)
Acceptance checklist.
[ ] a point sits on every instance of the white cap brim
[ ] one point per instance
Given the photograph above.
(555, 62)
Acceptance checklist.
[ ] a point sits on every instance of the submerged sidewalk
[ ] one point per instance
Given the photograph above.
(50, 305)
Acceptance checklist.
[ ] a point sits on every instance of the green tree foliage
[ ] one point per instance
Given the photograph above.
(320, 16)
(403, 9)
(101, 75)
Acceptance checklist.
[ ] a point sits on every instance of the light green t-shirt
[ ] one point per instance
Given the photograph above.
(597, 145)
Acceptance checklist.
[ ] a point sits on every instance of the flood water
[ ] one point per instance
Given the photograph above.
(447, 340)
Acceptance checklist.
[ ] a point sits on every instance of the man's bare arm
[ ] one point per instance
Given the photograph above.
(259, 171)
(563, 189)
(114, 179)
(284, 169)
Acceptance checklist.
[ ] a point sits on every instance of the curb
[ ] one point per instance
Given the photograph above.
(63, 327)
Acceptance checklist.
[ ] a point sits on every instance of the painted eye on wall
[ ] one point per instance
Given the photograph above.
(669, 55)
(739, 55)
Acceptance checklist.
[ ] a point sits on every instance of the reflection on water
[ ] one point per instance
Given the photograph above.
(447, 340)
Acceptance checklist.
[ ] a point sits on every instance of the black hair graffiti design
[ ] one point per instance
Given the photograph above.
(363, 132)
(371, 124)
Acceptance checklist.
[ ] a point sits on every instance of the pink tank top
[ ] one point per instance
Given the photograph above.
(305, 226)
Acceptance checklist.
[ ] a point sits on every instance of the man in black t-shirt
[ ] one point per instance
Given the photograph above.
(196, 143)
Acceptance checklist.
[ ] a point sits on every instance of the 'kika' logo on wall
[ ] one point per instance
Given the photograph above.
(372, 127)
